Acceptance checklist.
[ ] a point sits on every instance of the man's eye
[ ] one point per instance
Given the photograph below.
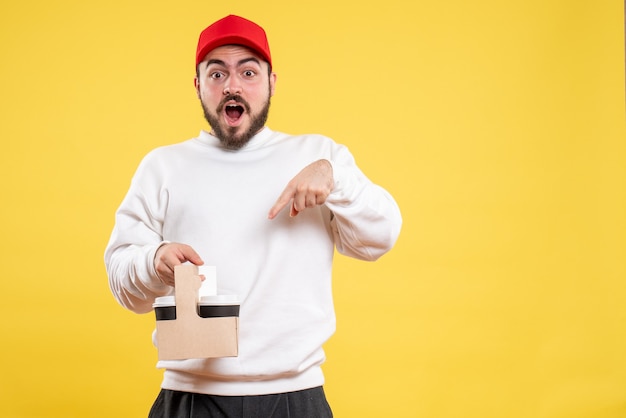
(216, 75)
(249, 73)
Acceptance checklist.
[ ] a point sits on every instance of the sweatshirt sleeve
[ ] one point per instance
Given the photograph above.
(366, 219)
(136, 236)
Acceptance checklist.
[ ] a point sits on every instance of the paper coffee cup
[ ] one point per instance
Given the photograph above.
(217, 306)
(165, 308)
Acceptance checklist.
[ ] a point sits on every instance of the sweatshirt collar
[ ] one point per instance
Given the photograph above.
(257, 141)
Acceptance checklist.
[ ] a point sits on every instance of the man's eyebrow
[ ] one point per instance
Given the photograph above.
(214, 61)
(245, 60)
(239, 63)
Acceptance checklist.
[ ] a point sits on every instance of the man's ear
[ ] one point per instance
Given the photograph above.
(196, 84)
(273, 77)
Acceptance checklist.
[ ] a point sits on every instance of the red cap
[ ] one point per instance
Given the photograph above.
(233, 30)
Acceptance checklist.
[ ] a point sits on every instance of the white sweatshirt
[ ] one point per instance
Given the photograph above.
(217, 201)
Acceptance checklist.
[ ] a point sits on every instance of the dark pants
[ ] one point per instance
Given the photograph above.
(309, 403)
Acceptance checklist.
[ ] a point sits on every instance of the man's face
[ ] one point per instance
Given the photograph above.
(234, 87)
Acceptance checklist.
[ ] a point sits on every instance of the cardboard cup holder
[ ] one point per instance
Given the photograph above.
(191, 327)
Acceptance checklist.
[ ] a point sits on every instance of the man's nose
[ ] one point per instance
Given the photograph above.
(232, 86)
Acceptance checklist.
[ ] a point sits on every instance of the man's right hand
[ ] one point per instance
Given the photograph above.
(171, 255)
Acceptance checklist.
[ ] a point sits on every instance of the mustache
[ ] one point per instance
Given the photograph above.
(233, 98)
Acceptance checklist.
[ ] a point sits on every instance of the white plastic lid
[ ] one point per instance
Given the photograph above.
(219, 300)
(164, 301)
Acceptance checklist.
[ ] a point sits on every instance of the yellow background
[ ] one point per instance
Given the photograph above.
(497, 125)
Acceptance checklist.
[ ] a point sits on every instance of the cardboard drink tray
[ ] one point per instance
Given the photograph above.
(190, 336)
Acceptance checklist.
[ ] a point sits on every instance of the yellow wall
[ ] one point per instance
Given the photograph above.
(498, 126)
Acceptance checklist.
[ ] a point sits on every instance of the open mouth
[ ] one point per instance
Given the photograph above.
(233, 113)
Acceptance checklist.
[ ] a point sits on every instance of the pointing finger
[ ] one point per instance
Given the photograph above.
(281, 203)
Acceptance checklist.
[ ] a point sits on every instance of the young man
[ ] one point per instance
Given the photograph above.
(267, 209)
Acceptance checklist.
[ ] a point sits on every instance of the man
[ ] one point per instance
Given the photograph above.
(267, 209)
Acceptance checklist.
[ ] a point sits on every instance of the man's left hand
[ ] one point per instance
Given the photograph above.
(309, 188)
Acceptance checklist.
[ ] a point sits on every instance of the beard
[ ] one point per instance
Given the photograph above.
(228, 135)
